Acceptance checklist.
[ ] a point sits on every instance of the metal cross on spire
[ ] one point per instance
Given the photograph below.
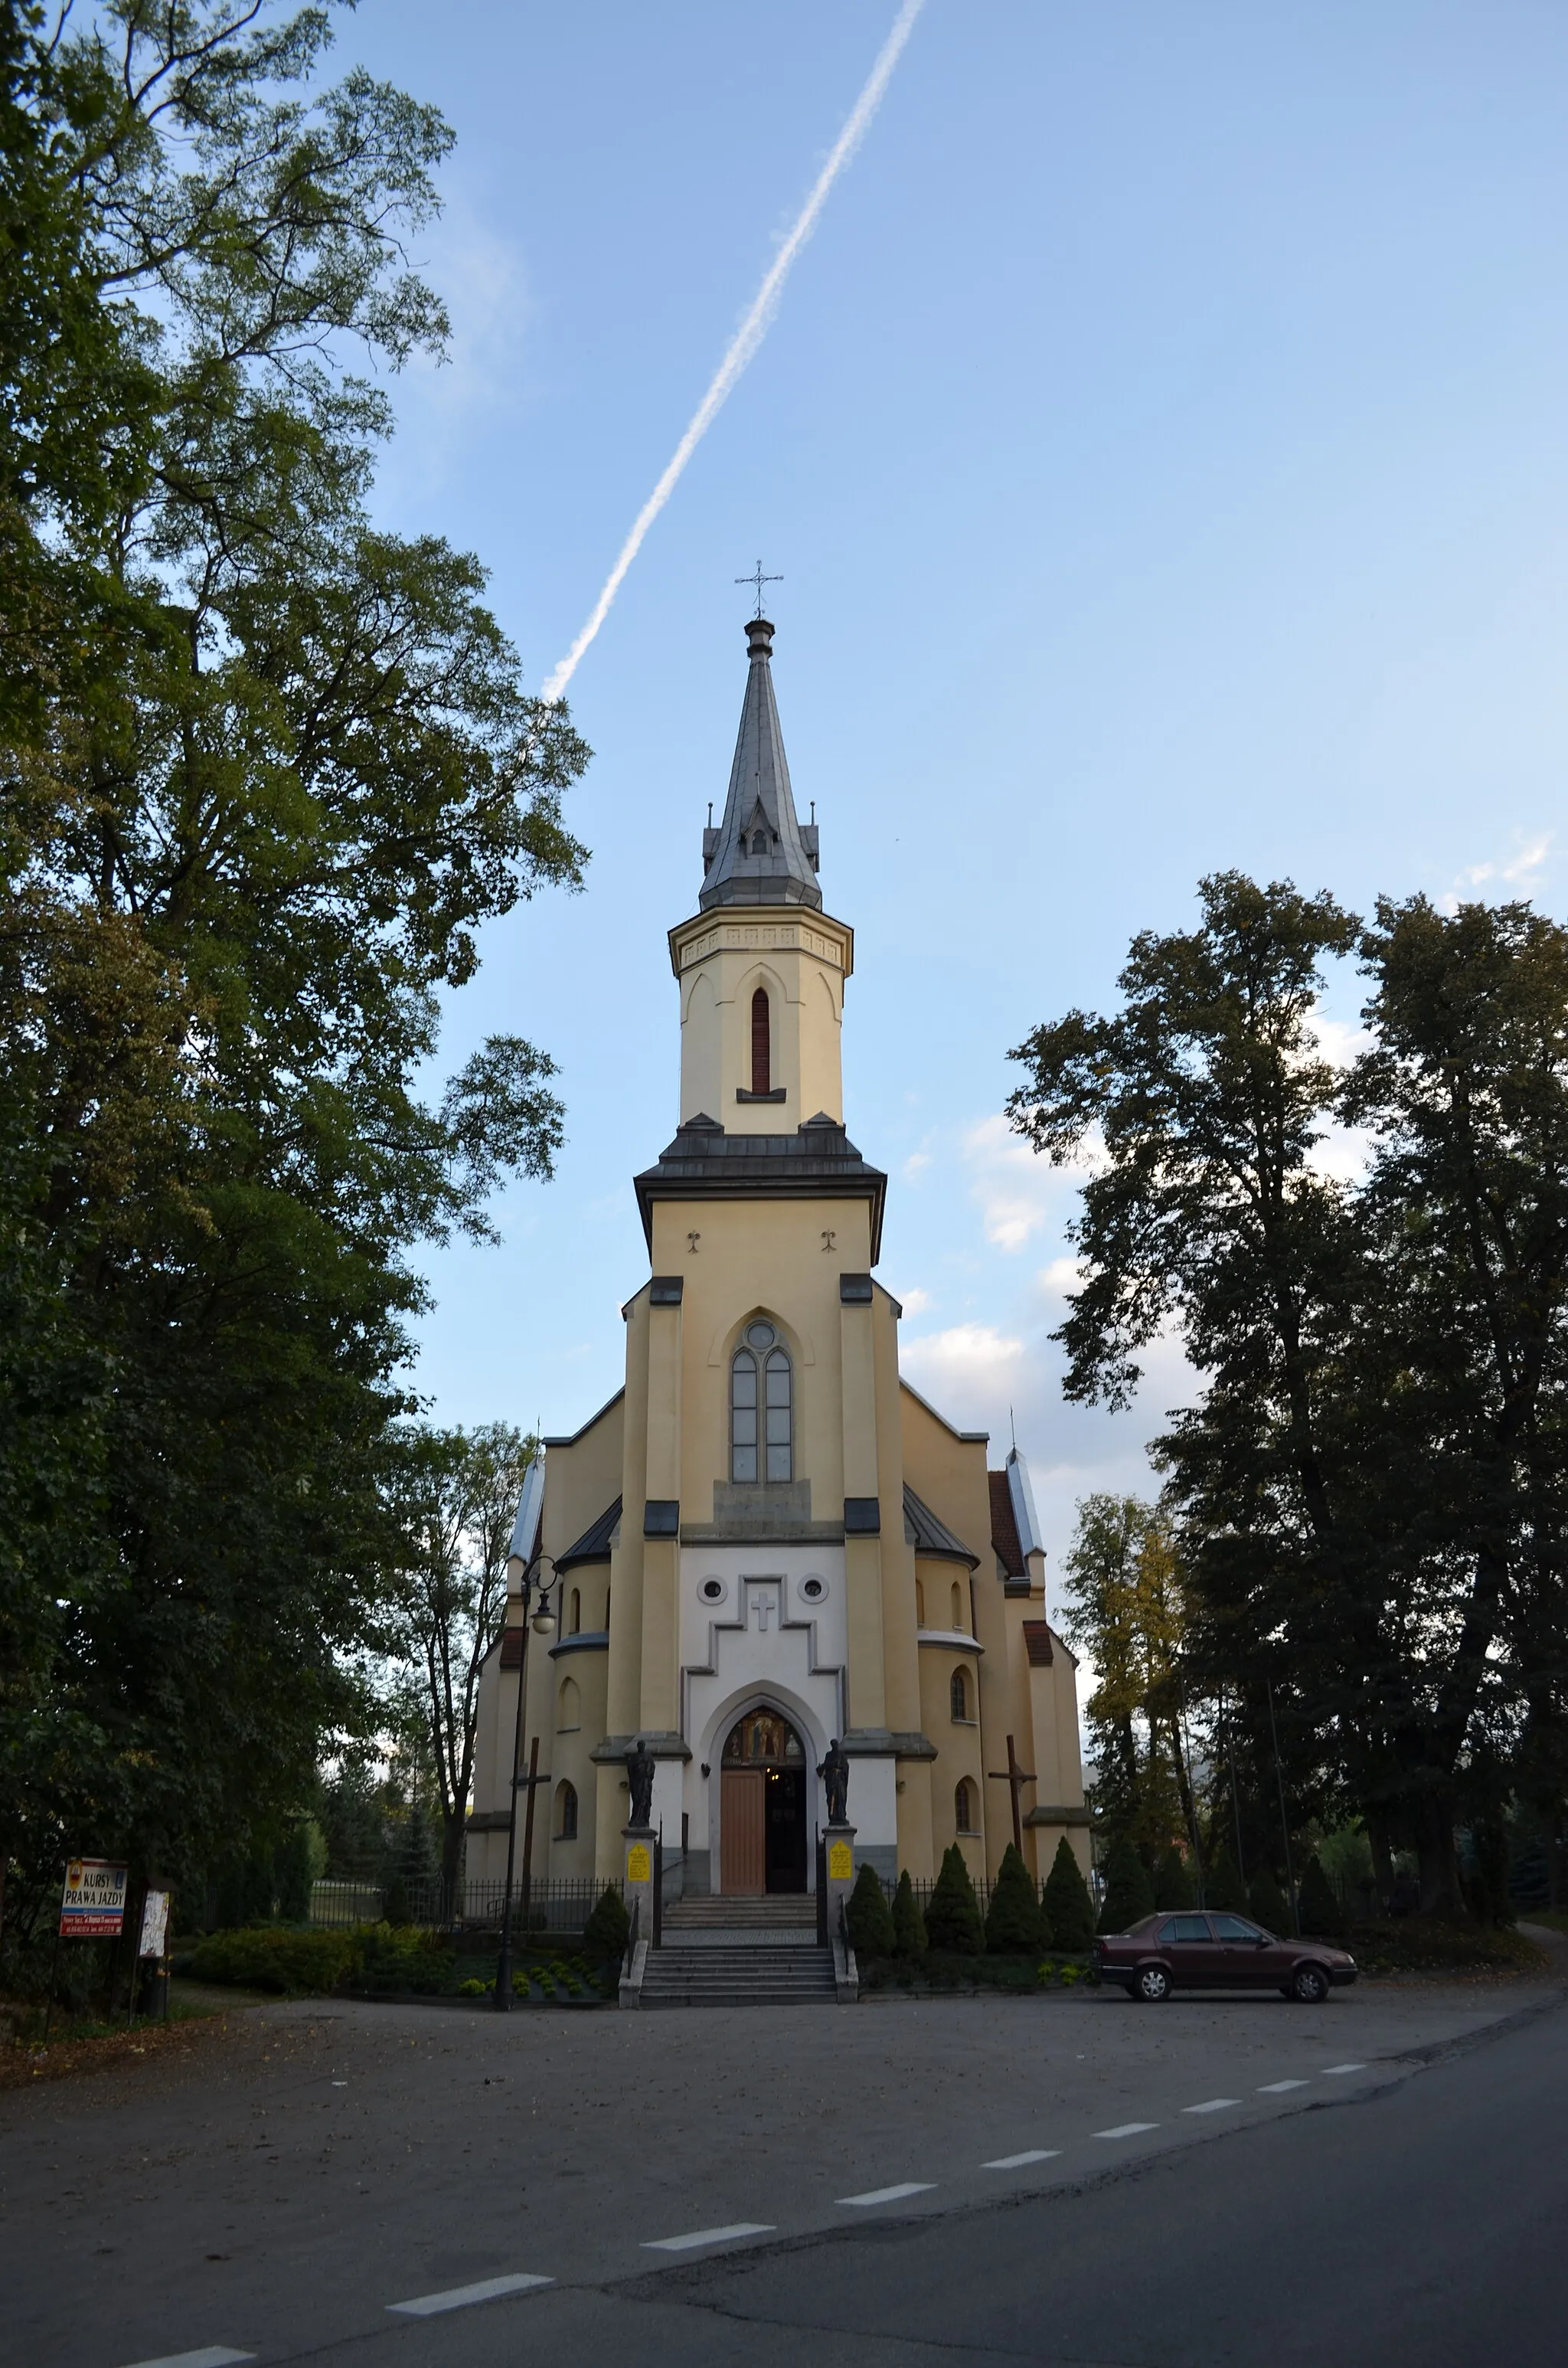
(759, 579)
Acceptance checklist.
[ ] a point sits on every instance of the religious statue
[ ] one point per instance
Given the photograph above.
(834, 1774)
(639, 1780)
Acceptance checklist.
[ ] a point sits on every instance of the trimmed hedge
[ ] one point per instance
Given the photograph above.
(278, 1957)
(605, 1933)
(952, 1919)
(908, 1923)
(869, 1917)
(1013, 1919)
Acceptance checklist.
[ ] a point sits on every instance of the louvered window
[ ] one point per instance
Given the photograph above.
(761, 1044)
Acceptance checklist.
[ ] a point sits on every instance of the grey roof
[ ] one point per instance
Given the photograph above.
(760, 805)
(927, 1535)
(817, 1162)
(594, 1544)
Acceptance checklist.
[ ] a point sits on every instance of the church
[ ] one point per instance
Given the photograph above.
(767, 1540)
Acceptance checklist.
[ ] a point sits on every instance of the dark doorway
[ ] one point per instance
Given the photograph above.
(764, 1748)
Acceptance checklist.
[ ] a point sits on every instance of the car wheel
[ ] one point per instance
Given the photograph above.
(1309, 1984)
(1153, 1985)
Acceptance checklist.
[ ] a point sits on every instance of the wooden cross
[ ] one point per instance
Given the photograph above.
(1015, 1777)
(758, 579)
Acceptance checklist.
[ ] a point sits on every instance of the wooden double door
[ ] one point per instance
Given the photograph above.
(762, 1831)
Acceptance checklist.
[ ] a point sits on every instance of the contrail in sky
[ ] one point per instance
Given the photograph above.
(747, 338)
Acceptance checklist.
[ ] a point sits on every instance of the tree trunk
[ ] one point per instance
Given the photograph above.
(1441, 1892)
(453, 1824)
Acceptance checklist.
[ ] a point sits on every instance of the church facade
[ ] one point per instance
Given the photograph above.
(768, 1539)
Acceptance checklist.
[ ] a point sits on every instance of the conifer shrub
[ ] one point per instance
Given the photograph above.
(952, 1919)
(1222, 1886)
(605, 1933)
(1321, 1915)
(1172, 1882)
(1013, 1918)
(395, 1908)
(908, 1924)
(1068, 1908)
(1268, 1903)
(869, 1917)
(1130, 1895)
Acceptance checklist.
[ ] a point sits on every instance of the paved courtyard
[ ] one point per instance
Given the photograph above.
(280, 2192)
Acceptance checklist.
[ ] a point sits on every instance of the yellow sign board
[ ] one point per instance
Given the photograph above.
(840, 1861)
(639, 1863)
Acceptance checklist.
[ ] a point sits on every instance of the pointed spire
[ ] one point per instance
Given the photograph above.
(760, 854)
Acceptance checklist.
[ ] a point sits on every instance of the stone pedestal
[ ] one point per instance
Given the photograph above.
(839, 1860)
(639, 1892)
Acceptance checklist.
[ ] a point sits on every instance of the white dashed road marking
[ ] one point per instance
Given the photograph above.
(1213, 2105)
(891, 2194)
(1017, 2161)
(1278, 2087)
(211, 2355)
(1332, 2071)
(707, 2236)
(455, 2298)
(1128, 2130)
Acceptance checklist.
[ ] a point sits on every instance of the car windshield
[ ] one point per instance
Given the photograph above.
(1236, 1927)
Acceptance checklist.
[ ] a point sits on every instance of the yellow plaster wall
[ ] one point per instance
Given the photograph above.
(802, 959)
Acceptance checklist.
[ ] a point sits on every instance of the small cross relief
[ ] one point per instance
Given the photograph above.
(691, 1242)
(828, 1238)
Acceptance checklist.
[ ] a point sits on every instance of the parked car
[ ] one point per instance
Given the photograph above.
(1210, 1951)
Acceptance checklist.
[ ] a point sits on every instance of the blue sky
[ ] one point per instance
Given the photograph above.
(1162, 443)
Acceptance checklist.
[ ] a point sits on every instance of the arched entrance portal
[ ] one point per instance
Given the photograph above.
(762, 1805)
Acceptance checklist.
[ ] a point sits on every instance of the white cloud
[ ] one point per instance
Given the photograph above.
(1017, 1190)
(966, 1358)
(913, 1303)
(1520, 872)
(916, 1166)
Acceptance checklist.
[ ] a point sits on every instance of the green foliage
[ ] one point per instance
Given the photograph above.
(1172, 1882)
(299, 1862)
(952, 1913)
(266, 772)
(1370, 1478)
(1068, 1908)
(1267, 1902)
(271, 1957)
(473, 1987)
(869, 1917)
(908, 1923)
(1321, 1913)
(395, 1907)
(1128, 1893)
(1012, 1922)
(1222, 1886)
(609, 1927)
(1127, 1612)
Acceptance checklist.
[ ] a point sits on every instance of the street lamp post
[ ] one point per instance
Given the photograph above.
(544, 1622)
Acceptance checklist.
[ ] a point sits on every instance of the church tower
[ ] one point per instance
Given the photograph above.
(767, 1540)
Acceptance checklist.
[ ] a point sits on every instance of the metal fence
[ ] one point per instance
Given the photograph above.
(562, 1904)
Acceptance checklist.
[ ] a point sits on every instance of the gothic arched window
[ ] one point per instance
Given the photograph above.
(568, 1708)
(761, 1385)
(759, 842)
(963, 1812)
(576, 1627)
(565, 1813)
(761, 1044)
(958, 1606)
(958, 1695)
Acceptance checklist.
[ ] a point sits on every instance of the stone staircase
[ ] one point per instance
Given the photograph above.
(740, 1953)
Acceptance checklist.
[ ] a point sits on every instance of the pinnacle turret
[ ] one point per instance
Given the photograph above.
(761, 853)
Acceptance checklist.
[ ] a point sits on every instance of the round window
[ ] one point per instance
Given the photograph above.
(712, 1590)
(761, 1336)
(813, 1589)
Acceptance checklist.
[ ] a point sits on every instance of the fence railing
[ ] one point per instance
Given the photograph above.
(559, 1904)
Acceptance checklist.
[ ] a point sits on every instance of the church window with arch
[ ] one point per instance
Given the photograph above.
(958, 1606)
(761, 1408)
(565, 1812)
(575, 1626)
(957, 1693)
(963, 1806)
(761, 1043)
(568, 1708)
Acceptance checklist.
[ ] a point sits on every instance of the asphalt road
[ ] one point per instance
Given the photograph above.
(1062, 2179)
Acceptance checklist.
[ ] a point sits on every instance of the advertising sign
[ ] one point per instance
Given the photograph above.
(154, 1924)
(92, 1906)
